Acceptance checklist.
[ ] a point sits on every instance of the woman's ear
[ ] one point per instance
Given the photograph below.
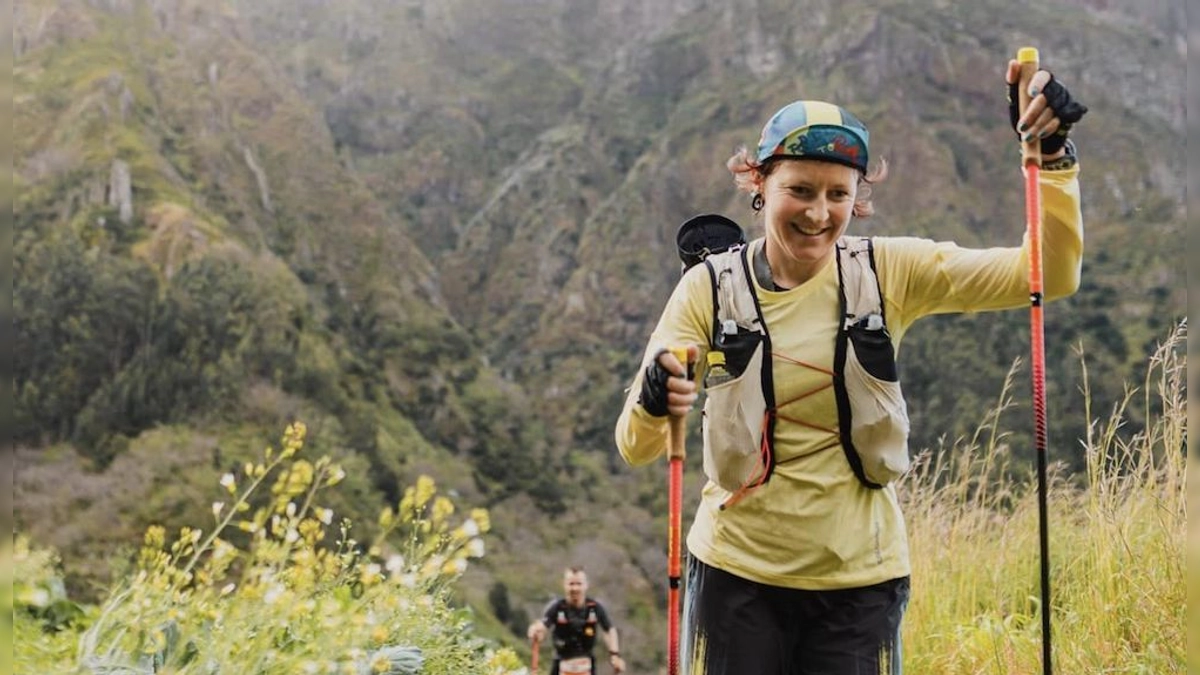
(759, 180)
(863, 206)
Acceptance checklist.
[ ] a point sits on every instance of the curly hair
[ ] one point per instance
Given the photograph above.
(749, 174)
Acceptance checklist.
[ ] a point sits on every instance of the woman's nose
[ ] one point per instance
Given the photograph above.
(818, 212)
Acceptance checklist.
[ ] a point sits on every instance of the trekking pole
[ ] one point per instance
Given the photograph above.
(675, 456)
(1031, 162)
(533, 659)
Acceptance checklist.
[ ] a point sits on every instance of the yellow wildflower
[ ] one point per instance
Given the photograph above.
(156, 536)
(311, 530)
(482, 519)
(443, 508)
(295, 481)
(408, 504)
(293, 438)
(425, 491)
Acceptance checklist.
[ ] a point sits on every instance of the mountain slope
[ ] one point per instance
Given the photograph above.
(441, 233)
(191, 251)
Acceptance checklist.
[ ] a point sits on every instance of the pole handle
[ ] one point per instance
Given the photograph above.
(675, 457)
(678, 423)
(1031, 150)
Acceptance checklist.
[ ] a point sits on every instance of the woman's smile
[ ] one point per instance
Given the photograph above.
(810, 230)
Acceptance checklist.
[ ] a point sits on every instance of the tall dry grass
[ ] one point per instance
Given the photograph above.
(1117, 533)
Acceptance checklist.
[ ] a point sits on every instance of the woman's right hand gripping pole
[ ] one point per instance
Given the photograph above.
(667, 385)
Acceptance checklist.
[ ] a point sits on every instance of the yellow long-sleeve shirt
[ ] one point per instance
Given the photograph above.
(813, 525)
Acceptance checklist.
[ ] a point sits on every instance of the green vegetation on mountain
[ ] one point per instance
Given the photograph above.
(438, 232)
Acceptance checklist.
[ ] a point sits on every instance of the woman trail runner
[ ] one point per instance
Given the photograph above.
(798, 561)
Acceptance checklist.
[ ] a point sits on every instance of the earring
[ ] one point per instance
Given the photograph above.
(756, 202)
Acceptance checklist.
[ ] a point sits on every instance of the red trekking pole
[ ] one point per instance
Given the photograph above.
(675, 456)
(1031, 162)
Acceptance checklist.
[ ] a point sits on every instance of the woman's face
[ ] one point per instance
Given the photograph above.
(807, 205)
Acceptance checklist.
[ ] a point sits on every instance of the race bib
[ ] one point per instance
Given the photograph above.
(577, 666)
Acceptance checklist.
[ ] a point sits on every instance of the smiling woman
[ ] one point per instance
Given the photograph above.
(807, 206)
(800, 565)
(808, 200)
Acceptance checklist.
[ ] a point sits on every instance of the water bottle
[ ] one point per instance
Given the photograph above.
(716, 373)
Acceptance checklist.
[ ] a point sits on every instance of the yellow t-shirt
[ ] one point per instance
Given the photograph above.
(813, 525)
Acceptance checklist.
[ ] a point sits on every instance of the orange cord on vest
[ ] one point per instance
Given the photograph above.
(765, 451)
(819, 369)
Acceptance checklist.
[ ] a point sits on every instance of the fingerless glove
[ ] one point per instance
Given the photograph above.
(1066, 109)
(654, 388)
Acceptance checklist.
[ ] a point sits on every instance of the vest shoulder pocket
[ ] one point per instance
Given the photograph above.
(873, 349)
(739, 348)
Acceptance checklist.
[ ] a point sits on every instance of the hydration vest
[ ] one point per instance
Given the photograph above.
(572, 636)
(739, 409)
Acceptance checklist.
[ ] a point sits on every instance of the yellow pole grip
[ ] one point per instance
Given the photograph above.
(1031, 151)
(675, 448)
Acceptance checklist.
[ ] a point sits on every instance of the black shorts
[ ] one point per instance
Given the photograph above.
(733, 626)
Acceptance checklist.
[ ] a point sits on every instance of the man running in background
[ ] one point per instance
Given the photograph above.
(575, 620)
